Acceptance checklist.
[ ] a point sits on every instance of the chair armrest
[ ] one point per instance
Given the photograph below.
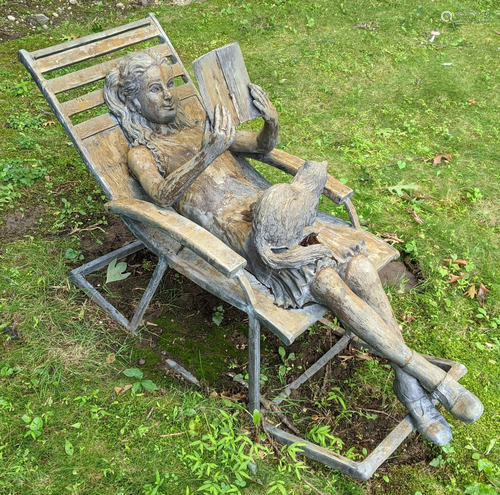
(184, 231)
(334, 189)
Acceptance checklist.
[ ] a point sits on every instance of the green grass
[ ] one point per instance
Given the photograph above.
(372, 103)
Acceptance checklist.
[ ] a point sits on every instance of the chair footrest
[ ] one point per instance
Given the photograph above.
(365, 469)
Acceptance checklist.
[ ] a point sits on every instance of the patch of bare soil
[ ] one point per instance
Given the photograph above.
(19, 223)
(397, 272)
(96, 243)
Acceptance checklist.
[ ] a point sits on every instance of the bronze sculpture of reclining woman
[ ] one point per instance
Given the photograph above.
(188, 165)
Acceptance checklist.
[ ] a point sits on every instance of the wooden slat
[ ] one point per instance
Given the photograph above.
(96, 98)
(84, 40)
(95, 125)
(86, 52)
(92, 74)
(82, 103)
(106, 121)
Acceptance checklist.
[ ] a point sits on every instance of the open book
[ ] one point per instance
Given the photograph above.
(223, 79)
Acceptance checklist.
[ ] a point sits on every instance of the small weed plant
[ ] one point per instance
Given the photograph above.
(218, 315)
(140, 383)
(221, 457)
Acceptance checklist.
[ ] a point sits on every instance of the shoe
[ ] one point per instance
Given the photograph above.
(461, 403)
(426, 418)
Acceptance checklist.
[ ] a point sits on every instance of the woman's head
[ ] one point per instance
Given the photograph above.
(141, 93)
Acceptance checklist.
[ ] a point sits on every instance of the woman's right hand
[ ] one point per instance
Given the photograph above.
(218, 137)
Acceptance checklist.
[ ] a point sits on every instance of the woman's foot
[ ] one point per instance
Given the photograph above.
(461, 403)
(428, 421)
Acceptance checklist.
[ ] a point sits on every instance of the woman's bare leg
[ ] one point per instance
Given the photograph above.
(366, 323)
(362, 278)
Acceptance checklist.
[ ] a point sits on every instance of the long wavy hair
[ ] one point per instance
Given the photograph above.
(123, 84)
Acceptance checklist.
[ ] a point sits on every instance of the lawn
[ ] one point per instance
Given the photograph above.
(408, 119)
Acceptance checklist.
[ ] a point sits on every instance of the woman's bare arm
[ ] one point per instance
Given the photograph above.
(166, 191)
(266, 139)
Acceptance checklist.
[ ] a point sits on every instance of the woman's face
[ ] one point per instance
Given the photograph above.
(158, 98)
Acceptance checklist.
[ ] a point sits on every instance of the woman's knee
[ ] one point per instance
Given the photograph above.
(361, 269)
(328, 284)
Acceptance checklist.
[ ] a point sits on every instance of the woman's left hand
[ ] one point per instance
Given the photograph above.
(263, 104)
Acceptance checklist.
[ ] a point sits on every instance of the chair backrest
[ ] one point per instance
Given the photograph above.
(99, 139)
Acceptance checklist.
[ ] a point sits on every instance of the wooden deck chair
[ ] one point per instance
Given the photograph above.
(178, 242)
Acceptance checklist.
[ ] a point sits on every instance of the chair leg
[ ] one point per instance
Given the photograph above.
(148, 294)
(253, 364)
(77, 276)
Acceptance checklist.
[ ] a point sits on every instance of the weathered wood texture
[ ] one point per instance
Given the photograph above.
(94, 73)
(379, 252)
(102, 47)
(188, 233)
(223, 79)
(61, 47)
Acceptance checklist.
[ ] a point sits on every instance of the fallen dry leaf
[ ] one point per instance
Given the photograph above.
(409, 318)
(492, 361)
(454, 278)
(364, 356)
(415, 216)
(481, 295)
(456, 262)
(442, 156)
(488, 345)
(436, 247)
(49, 122)
(111, 358)
(315, 417)
(343, 360)
(471, 292)
(213, 395)
(472, 102)
(118, 389)
(126, 388)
